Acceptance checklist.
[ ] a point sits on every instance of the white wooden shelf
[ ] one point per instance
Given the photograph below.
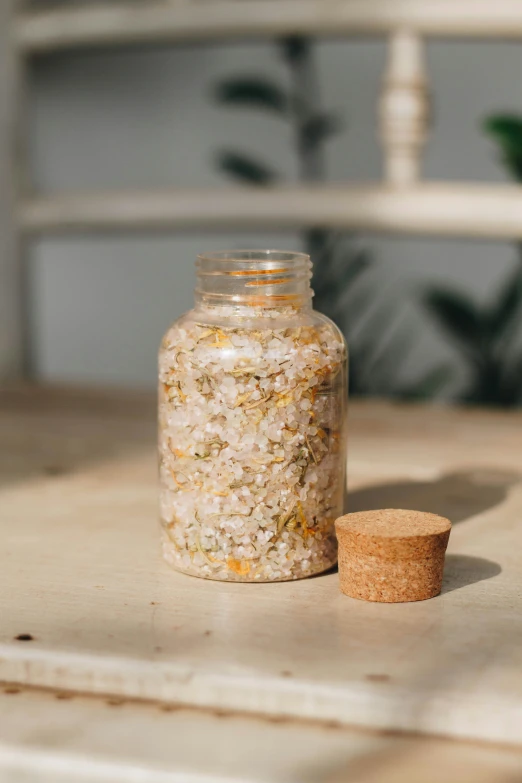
(81, 573)
(142, 22)
(401, 203)
(444, 209)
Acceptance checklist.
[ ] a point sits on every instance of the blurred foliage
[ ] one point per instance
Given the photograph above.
(378, 339)
(506, 131)
(488, 337)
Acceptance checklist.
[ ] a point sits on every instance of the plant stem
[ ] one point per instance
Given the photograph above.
(306, 105)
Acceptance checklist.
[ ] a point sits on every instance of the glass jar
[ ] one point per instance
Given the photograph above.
(252, 423)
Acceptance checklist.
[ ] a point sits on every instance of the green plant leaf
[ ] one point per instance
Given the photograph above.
(506, 131)
(245, 168)
(371, 342)
(386, 362)
(458, 315)
(327, 291)
(485, 387)
(356, 265)
(355, 311)
(511, 382)
(507, 127)
(338, 271)
(507, 308)
(429, 385)
(252, 91)
(320, 243)
(319, 127)
(295, 47)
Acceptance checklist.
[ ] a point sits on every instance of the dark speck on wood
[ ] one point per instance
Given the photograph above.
(54, 470)
(378, 677)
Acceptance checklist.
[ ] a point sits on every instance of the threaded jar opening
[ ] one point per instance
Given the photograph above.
(255, 278)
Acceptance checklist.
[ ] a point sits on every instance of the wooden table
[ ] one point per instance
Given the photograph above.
(190, 679)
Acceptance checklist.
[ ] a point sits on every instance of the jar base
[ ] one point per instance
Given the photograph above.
(246, 579)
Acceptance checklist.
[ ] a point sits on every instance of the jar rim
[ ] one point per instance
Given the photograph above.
(255, 278)
(254, 255)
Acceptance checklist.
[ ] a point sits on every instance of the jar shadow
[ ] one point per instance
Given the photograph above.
(457, 495)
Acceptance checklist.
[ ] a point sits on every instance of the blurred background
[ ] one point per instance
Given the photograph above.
(424, 317)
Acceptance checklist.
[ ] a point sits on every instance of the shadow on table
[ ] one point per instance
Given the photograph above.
(463, 570)
(48, 433)
(458, 495)
(403, 759)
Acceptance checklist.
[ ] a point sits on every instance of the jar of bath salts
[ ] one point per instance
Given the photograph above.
(252, 423)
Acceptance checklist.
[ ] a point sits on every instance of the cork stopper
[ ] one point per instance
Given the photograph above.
(392, 555)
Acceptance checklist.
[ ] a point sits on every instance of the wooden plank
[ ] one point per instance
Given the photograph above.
(119, 23)
(52, 433)
(81, 574)
(440, 209)
(46, 738)
(11, 307)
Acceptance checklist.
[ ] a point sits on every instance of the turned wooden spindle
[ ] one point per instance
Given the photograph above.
(404, 108)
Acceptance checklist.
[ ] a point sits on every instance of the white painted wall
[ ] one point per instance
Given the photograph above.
(146, 118)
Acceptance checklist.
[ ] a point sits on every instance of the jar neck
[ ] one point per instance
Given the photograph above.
(260, 280)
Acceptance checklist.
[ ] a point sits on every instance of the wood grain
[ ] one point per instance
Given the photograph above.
(81, 573)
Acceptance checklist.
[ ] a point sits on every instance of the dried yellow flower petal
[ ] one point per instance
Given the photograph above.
(239, 567)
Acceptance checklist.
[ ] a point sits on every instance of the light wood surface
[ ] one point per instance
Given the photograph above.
(443, 209)
(81, 573)
(48, 738)
(114, 23)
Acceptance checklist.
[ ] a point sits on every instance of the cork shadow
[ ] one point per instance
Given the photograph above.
(457, 495)
(463, 570)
